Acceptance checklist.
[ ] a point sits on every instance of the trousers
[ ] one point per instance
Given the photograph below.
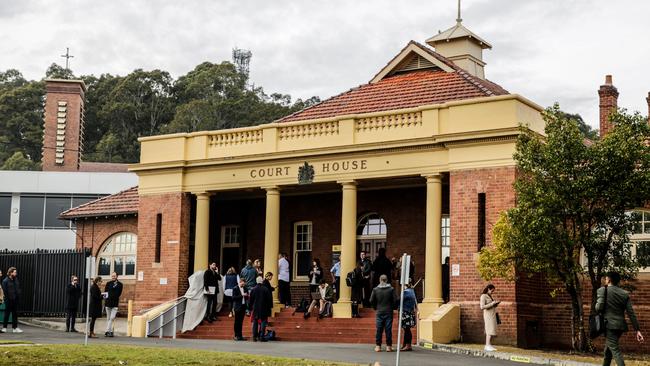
(111, 313)
(612, 350)
(384, 324)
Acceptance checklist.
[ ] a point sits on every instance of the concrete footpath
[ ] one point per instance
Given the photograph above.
(119, 325)
(352, 353)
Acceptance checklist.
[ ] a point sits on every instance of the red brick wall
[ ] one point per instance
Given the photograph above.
(73, 94)
(175, 210)
(466, 289)
(94, 232)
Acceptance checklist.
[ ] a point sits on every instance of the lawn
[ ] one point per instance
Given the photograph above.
(106, 355)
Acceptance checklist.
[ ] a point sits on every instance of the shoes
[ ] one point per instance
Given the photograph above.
(4, 330)
(92, 335)
(238, 338)
(389, 349)
(108, 334)
(377, 348)
(73, 330)
(254, 339)
(489, 349)
(18, 330)
(406, 348)
(306, 315)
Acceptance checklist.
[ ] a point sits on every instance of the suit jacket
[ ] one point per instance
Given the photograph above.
(211, 279)
(114, 289)
(95, 301)
(618, 303)
(237, 298)
(73, 293)
(261, 302)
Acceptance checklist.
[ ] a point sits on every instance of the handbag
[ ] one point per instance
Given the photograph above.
(498, 319)
(597, 321)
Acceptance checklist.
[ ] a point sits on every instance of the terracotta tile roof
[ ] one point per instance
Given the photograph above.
(403, 90)
(91, 166)
(121, 203)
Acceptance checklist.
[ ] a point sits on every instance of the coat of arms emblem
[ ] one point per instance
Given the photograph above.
(306, 174)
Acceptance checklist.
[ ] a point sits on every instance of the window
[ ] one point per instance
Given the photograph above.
(231, 236)
(642, 225)
(5, 210)
(302, 240)
(372, 224)
(54, 205)
(158, 237)
(118, 255)
(32, 208)
(481, 220)
(445, 236)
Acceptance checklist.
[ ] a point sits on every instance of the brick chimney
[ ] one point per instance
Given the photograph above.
(63, 127)
(608, 103)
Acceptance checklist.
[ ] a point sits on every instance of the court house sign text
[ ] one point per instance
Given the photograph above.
(325, 167)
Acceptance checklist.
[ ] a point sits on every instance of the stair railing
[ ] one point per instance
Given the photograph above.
(168, 322)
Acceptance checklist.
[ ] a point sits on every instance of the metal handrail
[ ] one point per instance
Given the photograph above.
(169, 321)
(143, 311)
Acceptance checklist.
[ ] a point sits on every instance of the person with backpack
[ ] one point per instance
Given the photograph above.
(231, 282)
(354, 280)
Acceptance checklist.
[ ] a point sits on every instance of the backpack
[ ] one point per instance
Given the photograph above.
(303, 305)
(351, 279)
(270, 335)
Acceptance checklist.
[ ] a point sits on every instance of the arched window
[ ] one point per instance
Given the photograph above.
(118, 255)
(372, 225)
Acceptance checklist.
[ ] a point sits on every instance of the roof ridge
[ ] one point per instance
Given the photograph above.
(83, 205)
(321, 102)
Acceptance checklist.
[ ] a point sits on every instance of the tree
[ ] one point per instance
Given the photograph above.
(585, 129)
(573, 202)
(56, 71)
(21, 122)
(18, 161)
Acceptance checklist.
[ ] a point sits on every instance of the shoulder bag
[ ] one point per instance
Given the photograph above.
(597, 321)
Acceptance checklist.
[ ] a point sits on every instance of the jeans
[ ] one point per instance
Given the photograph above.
(259, 331)
(111, 313)
(70, 318)
(384, 323)
(11, 309)
(612, 349)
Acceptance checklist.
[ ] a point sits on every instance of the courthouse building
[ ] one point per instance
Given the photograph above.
(419, 160)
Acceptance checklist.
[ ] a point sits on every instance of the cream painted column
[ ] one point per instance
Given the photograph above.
(202, 235)
(272, 237)
(433, 247)
(342, 308)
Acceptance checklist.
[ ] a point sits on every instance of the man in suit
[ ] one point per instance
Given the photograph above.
(239, 296)
(211, 278)
(618, 303)
(73, 292)
(260, 304)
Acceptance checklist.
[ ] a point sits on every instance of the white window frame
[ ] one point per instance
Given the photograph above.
(224, 229)
(111, 256)
(641, 237)
(445, 233)
(296, 250)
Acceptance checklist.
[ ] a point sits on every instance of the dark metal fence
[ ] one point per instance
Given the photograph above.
(43, 276)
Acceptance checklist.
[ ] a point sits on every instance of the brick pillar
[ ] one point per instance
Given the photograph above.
(608, 103)
(63, 126)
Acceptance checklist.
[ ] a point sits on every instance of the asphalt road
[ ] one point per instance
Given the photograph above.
(361, 354)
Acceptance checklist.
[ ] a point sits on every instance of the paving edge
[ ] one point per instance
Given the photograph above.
(507, 356)
(52, 325)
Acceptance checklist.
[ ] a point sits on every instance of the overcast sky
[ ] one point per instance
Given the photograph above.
(546, 50)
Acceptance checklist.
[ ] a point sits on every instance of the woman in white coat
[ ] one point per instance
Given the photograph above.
(489, 307)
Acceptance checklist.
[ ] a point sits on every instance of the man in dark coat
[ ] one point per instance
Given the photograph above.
(383, 299)
(382, 266)
(366, 271)
(73, 293)
(211, 279)
(12, 292)
(249, 274)
(95, 308)
(239, 297)
(618, 303)
(113, 291)
(261, 303)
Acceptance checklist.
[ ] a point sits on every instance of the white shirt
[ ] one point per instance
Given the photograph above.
(283, 269)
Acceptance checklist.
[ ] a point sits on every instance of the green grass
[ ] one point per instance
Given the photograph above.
(15, 342)
(106, 355)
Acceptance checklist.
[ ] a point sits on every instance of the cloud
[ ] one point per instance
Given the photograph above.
(545, 50)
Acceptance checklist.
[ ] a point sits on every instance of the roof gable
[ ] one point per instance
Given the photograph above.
(122, 203)
(412, 57)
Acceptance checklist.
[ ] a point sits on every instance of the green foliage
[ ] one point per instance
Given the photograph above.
(18, 161)
(572, 200)
(119, 109)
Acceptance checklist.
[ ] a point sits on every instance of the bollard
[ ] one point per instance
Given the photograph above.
(129, 319)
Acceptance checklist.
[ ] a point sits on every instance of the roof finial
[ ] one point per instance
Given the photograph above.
(459, 19)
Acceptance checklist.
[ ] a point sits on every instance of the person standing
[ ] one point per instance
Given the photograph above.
(257, 264)
(260, 305)
(231, 283)
(95, 309)
(489, 307)
(284, 287)
(366, 271)
(382, 300)
(615, 302)
(249, 274)
(409, 316)
(355, 281)
(315, 275)
(73, 293)
(211, 278)
(239, 296)
(12, 292)
(336, 279)
(112, 292)
(382, 266)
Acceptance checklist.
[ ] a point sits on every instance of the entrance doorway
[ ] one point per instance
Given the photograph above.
(230, 248)
(371, 235)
